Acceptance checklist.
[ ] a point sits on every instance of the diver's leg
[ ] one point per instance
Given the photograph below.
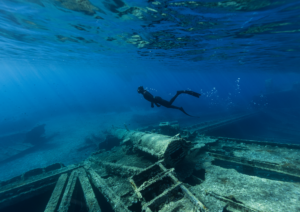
(174, 97)
(193, 93)
(174, 107)
(180, 108)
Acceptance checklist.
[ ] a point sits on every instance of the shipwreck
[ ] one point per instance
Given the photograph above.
(166, 168)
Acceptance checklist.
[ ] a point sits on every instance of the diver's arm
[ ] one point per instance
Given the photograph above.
(157, 105)
(149, 97)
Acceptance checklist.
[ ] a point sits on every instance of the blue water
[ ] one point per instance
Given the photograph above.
(64, 60)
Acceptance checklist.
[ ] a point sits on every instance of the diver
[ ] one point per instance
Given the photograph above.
(158, 101)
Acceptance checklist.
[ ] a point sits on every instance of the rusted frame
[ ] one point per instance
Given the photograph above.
(199, 205)
(114, 200)
(150, 182)
(133, 184)
(161, 198)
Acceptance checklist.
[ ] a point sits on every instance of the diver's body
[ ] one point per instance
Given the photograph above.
(158, 101)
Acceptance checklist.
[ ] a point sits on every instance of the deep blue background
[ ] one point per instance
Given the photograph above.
(33, 92)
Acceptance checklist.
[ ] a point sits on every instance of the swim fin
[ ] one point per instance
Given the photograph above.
(193, 93)
(186, 113)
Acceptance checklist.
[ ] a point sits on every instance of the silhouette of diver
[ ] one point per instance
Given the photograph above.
(158, 101)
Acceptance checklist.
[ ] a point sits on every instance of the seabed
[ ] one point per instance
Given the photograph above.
(165, 168)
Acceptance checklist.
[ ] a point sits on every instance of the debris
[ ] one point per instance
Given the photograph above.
(171, 149)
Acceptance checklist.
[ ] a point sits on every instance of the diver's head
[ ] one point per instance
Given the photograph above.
(140, 89)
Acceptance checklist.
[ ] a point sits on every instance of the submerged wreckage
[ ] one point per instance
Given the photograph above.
(163, 169)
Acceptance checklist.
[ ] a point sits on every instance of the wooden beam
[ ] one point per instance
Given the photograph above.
(57, 193)
(88, 192)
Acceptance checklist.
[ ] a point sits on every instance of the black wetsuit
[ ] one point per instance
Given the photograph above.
(158, 101)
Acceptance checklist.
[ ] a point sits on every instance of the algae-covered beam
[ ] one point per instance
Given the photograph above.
(88, 192)
(110, 195)
(259, 164)
(24, 185)
(66, 199)
(119, 169)
(234, 205)
(56, 194)
(193, 199)
(246, 141)
(171, 149)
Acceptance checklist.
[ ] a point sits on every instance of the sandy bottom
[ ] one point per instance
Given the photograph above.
(70, 132)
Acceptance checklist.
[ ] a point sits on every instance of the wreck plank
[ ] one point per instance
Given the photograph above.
(56, 194)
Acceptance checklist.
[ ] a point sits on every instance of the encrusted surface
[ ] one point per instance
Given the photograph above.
(108, 191)
(270, 154)
(253, 192)
(171, 149)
